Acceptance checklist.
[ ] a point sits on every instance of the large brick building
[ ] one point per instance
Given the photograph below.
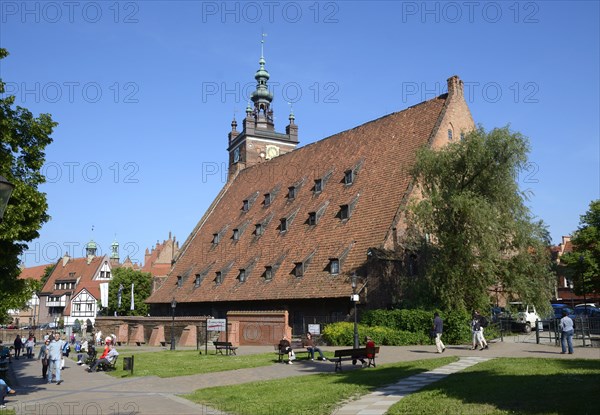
(292, 225)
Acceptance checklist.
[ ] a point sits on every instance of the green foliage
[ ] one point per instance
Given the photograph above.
(23, 139)
(583, 263)
(142, 287)
(480, 231)
(342, 334)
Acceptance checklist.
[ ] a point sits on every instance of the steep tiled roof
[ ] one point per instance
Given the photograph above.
(379, 152)
(75, 268)
(35, 273)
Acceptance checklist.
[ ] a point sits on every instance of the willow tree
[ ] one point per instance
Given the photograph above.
(23, 139)
(480, 233)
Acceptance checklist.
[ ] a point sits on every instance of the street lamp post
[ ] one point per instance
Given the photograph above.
(581, 273)
(173, 306)
(6, 189)
(354, 298)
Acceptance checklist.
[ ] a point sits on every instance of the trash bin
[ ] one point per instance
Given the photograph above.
(128, 364)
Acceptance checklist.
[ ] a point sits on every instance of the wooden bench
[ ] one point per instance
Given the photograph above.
(227, 346)
(354, 355)
(296, 346)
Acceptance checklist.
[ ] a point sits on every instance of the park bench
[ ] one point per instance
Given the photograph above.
(296, 346)
(354, 355)
(227, 346)
(107, 367)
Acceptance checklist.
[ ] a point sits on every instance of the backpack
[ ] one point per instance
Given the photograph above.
(483, 322)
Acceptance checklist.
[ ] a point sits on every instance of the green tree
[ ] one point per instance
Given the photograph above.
(23, 139)
(142, 288)
(476, 231)
(583, 263)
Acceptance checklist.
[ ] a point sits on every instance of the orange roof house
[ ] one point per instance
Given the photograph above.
(72, 290)
(292, 225)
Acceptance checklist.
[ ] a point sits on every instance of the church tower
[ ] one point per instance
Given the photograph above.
(258, 140)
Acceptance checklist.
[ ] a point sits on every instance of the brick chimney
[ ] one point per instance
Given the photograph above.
(455, 86)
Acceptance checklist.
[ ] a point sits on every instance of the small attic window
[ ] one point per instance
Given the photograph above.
(216, 238)
(267, 199)
(449, 134)
(348, 177)
(218, 277)
(292, 192)
(259, 229)
(245, 206)
(312, 218)
(197, 281)
(318, 185)
(268, 273)
(179, 281)
(236, 234)
(242, 275)
(344, 212)
(299, 269)
(334, 266)
(71, 275)
(284, 225)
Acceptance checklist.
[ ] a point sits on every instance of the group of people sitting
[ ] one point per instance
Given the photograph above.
(108, 357)
(285, 347)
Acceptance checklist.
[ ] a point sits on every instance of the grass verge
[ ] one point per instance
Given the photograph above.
(168, 363)
(311, 394)
(509, 386)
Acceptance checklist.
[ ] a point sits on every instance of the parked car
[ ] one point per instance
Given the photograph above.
(559, 308)
(524, 315)
(586, 311)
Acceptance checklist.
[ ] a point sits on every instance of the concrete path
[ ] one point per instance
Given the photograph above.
(98, 393)
(377, 403)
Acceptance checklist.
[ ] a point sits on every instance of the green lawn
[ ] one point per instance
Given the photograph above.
(509, 386)
(312, 394)
(168, 363)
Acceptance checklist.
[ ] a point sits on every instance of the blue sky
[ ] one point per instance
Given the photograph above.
(144, 93)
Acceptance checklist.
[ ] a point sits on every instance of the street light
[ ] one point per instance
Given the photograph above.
(582, 283)
(173, 306)
(354, 299)
(6, 189)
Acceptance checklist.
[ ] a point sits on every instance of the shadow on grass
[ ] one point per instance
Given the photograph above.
(524, 386)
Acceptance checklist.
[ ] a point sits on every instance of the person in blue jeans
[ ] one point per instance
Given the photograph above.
(54, 357)
(4, 390)
(566, 329)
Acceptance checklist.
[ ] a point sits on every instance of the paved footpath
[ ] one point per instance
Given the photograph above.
(99, 393)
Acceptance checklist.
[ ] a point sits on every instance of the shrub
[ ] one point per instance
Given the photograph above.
(342, 334)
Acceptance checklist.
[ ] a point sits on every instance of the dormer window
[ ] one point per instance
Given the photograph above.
(242, 275)
(179, 281)
(236, 234)
(245, 206)
(299, 269)
(216, 238)
(312, 218)
(259, 229)
(197, 281)
(267, 199)
(344, 212)
(218, 277)
(318, 185)
(284, 225)
(268, 273)
(71, 275)
(292, 192)
(348, 177)
(334, 266)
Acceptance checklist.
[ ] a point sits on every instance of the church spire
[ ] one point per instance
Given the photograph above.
(262, 97)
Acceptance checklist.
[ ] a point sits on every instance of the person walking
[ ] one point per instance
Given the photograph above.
(29, 345)
(18, 343)
(54, 357)
(43, 355)
(438, 328)
(566, 333)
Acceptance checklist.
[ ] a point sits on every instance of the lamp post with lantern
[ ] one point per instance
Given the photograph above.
(173, 306)
(6, 189)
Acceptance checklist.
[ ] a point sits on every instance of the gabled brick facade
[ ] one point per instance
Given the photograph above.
(263, 246)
